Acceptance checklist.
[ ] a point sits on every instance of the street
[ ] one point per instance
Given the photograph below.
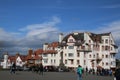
(25, 75)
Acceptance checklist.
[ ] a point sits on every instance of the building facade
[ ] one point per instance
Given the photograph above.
(18, 59)
(86, 49)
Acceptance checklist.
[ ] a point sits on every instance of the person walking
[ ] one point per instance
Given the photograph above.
(86, 71)
(117, 74)
(41, 69)
(13, 68)
(79, 72)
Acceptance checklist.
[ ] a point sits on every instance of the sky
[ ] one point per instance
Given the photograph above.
(26, 24)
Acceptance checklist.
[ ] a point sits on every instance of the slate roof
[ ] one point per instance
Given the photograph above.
(79, 36)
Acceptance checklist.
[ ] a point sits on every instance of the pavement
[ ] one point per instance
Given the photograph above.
(25, 75)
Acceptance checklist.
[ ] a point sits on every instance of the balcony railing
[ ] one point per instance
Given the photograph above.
(84, 50)
(113, 51)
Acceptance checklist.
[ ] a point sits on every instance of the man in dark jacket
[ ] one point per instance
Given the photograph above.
(117, 73)
(41, 69)
(13, 68)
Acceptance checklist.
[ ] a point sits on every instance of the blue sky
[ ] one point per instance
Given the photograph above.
(29, 23)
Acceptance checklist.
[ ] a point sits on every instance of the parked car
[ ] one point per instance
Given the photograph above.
(19, 68)
(26, 68)
(49, 68)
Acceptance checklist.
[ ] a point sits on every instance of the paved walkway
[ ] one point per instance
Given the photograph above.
(24, 75)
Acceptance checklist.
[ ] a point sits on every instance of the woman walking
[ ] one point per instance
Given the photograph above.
(79, 72)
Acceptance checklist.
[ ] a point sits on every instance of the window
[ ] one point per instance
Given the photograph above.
(71, 47)
(51, 55)
(54, 55)
(111, 63)
(102, 63)
(106, 56)
(90, 56)
(102, 48)
(97, 55)
(111, 41)
(106, 41)
(84, 62)
(20, 62)
(51, 61)
(65, 61)
(102, 56)
(45, 60)
(70, 55)
(84, 55)
(45, 55)
(65, 54)
(106, 63)
(89, 41)
(102, 41)
(70, 40)
(31, 61)
(111, 48)
(78, 62)
(54, 61)
(78, 54)
(71, 61)
(106, 47)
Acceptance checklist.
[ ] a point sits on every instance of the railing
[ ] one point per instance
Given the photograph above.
(84, 50)
(113, 51)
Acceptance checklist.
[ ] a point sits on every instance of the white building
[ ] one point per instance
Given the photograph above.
(86, 49)
(8, 60)
(51, 55)
(6, 63)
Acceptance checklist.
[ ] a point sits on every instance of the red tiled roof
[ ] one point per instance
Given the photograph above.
(38, 57)
(12, 58)
(29, 57)
(39, 51)
(23, 57)
(35, 57)
(53, 44)
(50, 52)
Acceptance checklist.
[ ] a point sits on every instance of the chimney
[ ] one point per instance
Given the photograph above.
(45, 46)
(60, 37)
(30, 51)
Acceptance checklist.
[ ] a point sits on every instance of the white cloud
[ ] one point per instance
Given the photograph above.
(5, 35)
(31, 36)
(112, 6)
(53, 21)
(42, 31)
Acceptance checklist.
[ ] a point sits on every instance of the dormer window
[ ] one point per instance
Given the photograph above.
(70, 40)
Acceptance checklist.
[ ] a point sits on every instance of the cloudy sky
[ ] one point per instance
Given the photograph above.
(28, 24)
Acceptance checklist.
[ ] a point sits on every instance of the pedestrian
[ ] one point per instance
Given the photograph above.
(117, 74)
(86, 71)
(41, 69)
(80, 72)
(13, 68)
